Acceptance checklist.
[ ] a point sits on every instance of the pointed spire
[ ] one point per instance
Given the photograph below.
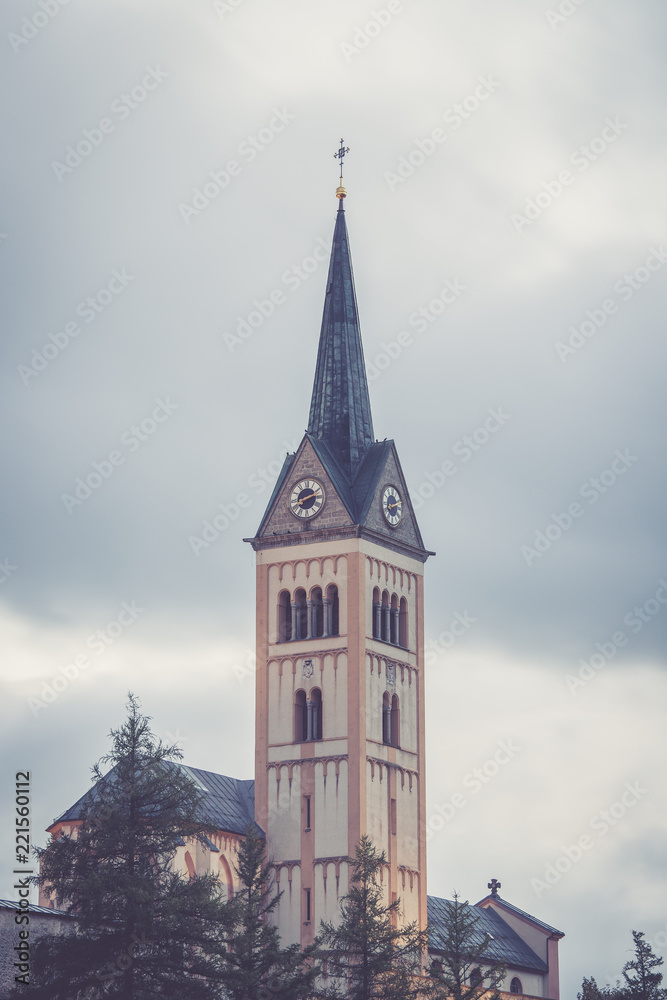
(340, 409)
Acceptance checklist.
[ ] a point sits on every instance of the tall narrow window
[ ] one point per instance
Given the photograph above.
(393, 620)
(284, 617)
(403, 639)
(332, 609)
(306, 812)
(307, 904)
(300, 615)
(386, 719)
(377, 614)
(392, 816)
(315, 715)
(395, 721)
(316, 613)
(300, 717)
(386, 617)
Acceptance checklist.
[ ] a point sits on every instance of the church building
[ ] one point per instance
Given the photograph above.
(340, 685)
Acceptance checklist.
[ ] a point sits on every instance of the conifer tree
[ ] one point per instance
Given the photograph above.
(368, 956)
(641, 981)
(142, 929)
(462, 953)
(591, 991)
(254, 966)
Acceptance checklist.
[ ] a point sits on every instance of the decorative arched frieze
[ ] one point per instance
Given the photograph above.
(291, 764)
(401, 772)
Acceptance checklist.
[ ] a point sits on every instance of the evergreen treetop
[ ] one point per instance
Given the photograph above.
(369, 957)
(463, 968)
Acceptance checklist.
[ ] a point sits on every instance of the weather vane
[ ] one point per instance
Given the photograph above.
(340, 156)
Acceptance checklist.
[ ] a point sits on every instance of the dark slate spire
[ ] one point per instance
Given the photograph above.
(340, 409)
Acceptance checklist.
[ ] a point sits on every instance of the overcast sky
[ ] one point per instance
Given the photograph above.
(169, 175)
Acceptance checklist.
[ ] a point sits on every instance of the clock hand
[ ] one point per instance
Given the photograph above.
(390, 506)
(309, 497)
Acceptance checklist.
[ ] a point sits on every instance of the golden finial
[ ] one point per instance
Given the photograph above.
(340, 155)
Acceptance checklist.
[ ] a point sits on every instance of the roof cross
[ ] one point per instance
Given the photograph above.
(494, 885)
(340, 155)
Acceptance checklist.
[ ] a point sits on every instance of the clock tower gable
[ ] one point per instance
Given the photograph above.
(310, 464)
(382, 497)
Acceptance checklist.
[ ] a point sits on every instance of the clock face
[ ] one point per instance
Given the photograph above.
(306, 499)
(392, 506)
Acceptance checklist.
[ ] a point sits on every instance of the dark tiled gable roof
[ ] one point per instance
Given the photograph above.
(228, 804)
(505, 946)
(287, 465)
(527, 916)
(368, 473)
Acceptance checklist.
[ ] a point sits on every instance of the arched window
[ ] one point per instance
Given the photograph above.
(403, 624)
(393, 621)
(395, 721)
(314, 731)
(300, 615)
(515, 985)
(316, 613)
(300, 717)
(386, 617)
(436, 966)
(331, 610)
(189, 864)
(284, 617)
(476, 978)
(386, 719)
(377, 614)
(226, 878)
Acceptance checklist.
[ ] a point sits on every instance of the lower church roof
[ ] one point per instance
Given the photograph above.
(228, 804)
(505, 945)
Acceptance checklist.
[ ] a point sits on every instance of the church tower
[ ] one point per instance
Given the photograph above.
(340, 644)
